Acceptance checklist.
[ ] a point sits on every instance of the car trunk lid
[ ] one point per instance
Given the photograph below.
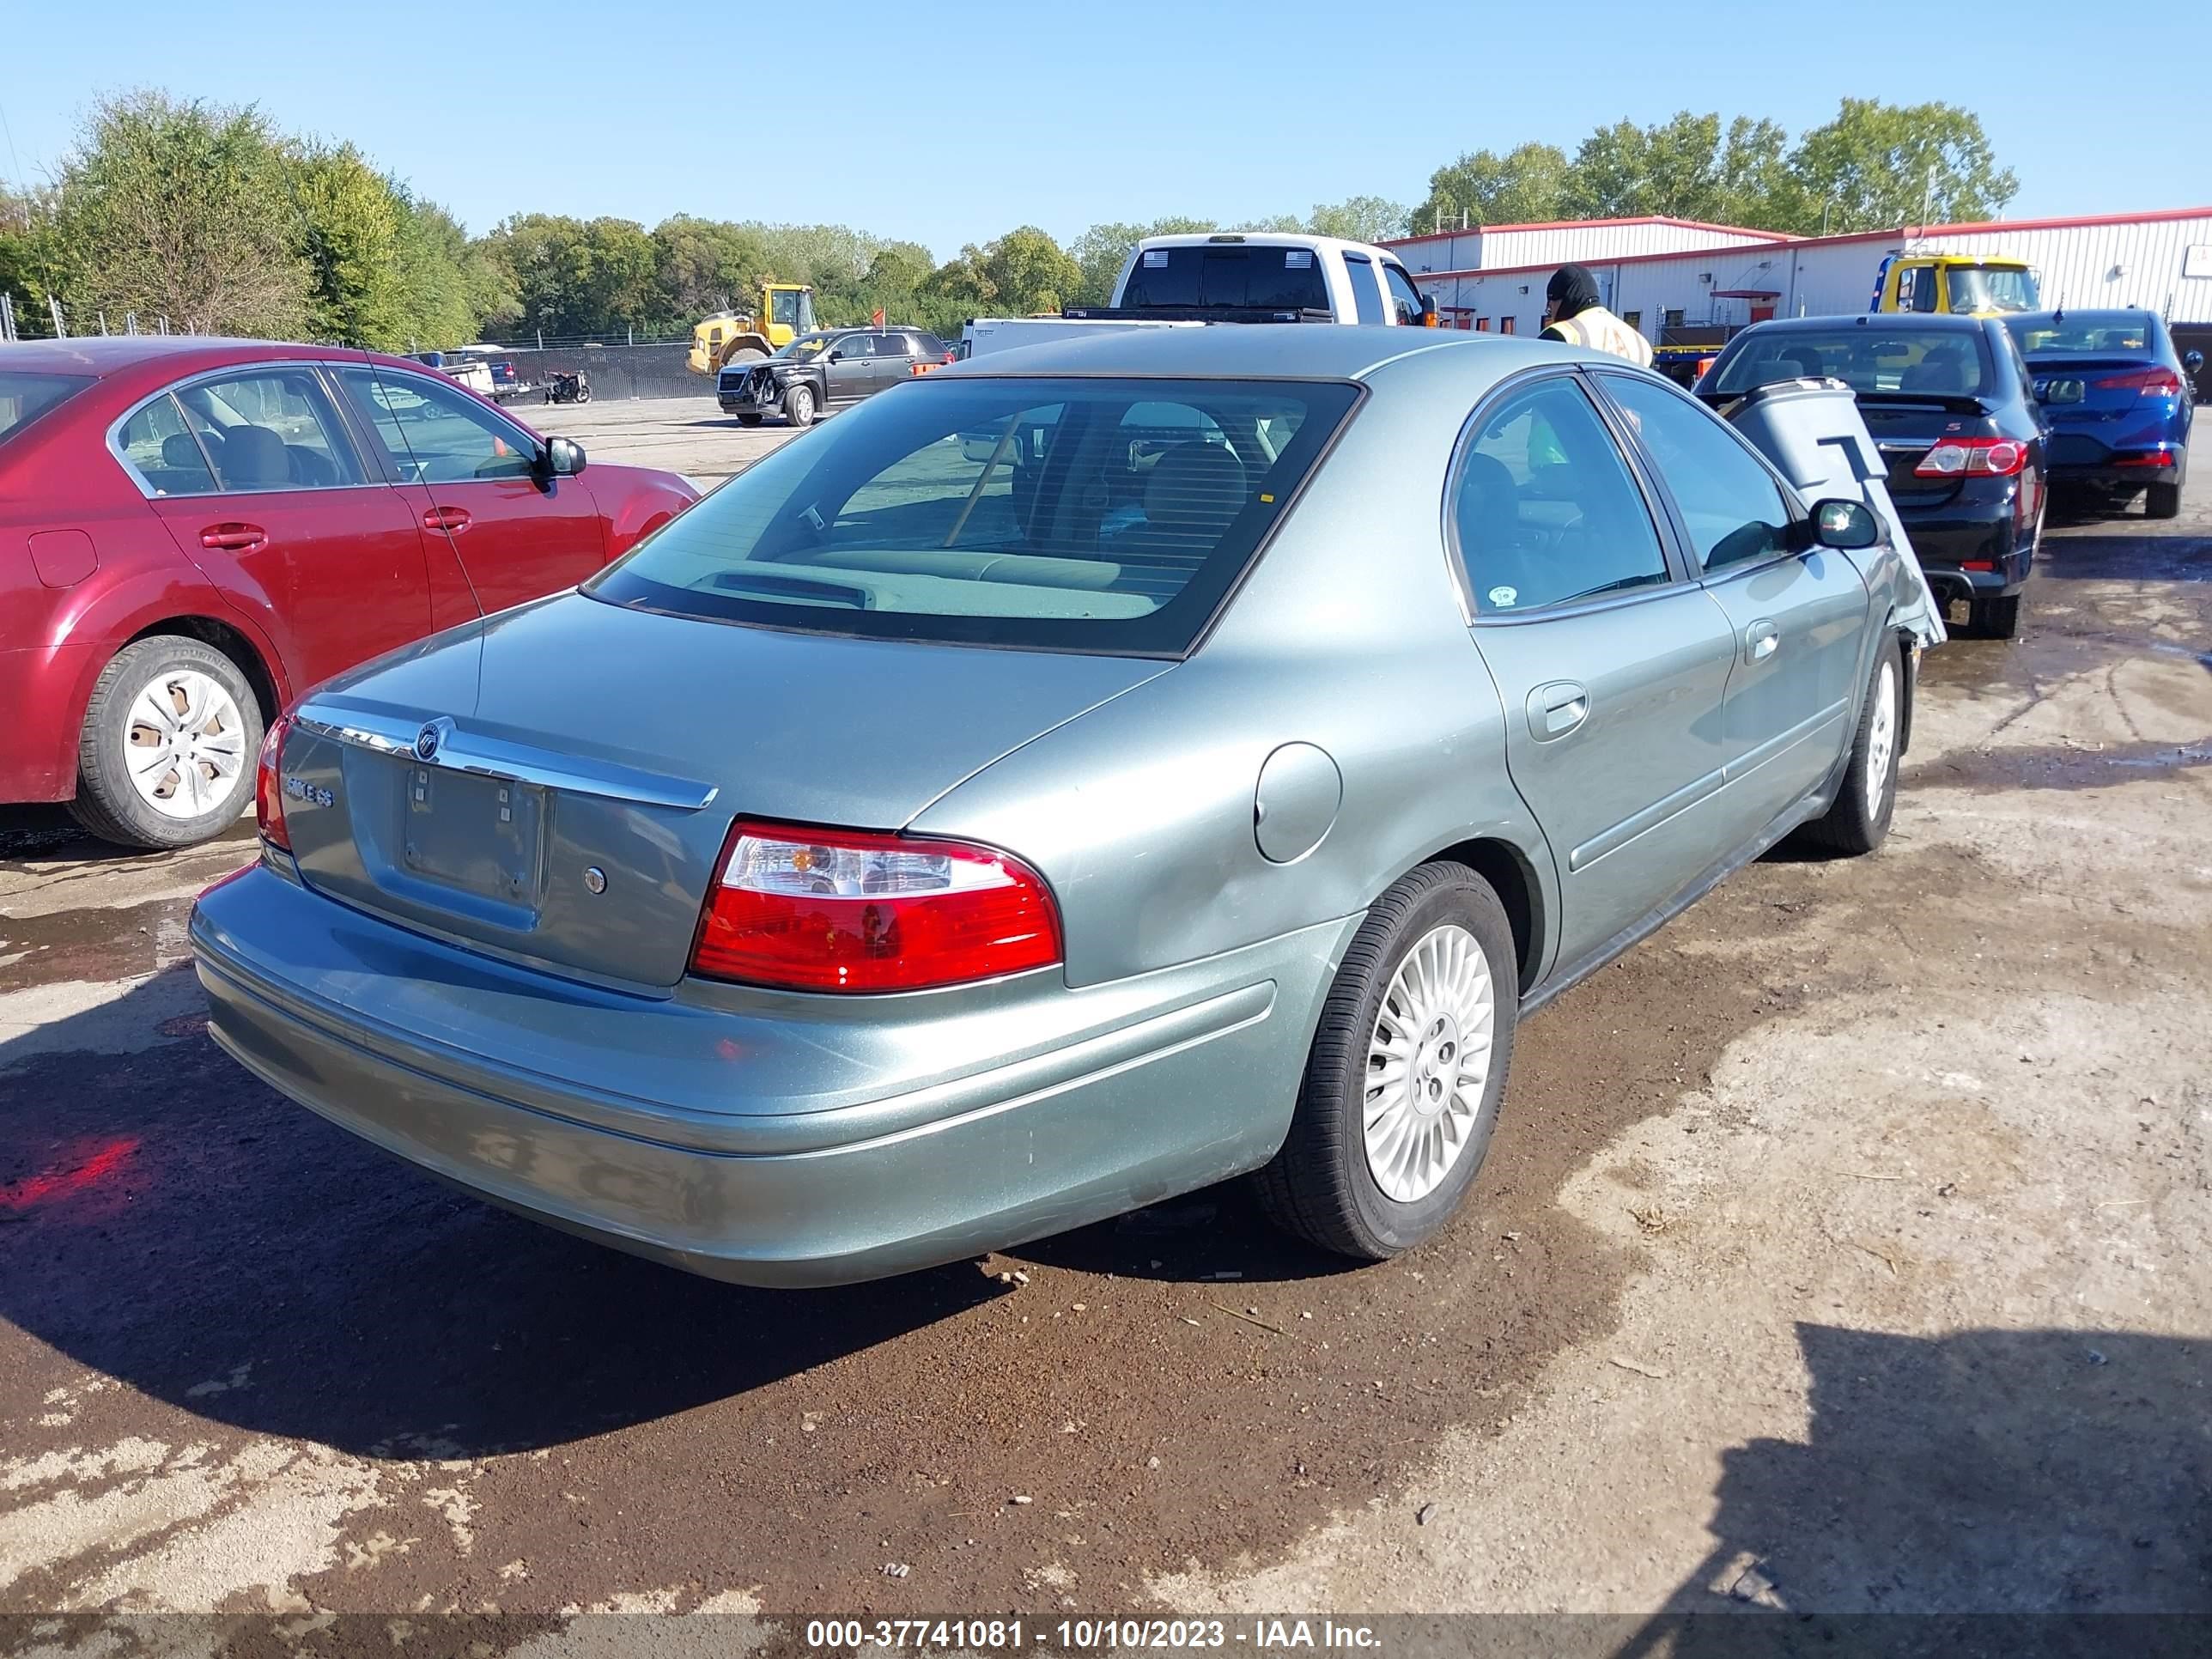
(1905, 426)
(554, 785)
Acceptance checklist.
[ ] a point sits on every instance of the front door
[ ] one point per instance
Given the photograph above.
(478, 478)
(261, 488)
(1612, 670)
(850, 368)
(1799, 617)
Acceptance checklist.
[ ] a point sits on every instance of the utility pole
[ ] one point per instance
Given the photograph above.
(54, 306)
(1927, 190)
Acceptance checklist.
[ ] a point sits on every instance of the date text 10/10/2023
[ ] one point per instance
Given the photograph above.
(1089, 1635)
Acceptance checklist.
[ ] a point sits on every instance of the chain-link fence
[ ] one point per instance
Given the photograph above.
(22, 319)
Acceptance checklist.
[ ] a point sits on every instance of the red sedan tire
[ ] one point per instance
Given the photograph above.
(167, 755)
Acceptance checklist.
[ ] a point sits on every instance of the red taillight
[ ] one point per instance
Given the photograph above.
(1956, 457)
(2156, 382)
(269, 786)
(2160, 457)
(845, 910)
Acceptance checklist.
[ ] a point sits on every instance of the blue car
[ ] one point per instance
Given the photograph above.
(2118, 396)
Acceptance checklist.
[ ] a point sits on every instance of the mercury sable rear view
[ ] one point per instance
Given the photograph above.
(1062, 782)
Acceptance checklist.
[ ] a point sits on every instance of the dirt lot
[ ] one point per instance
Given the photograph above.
(1848, 1245)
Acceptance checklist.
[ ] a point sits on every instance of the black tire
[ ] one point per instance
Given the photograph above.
(799, 405)
(749, 420)
(1998, 619)
(745, 355)
(1851, 826)
(1321, 1186)
(583, 394)
(2163, 500)
(107, 805)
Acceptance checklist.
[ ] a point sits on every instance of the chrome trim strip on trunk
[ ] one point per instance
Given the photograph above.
(459, 750)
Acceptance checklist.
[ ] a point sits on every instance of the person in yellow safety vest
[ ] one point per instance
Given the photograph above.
(1572, 314)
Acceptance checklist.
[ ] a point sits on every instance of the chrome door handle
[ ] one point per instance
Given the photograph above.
(1557, 708)
(1761, 640)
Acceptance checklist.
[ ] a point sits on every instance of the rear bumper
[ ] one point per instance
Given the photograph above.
(950, 1134)
(2106, 475)
(1971, 555)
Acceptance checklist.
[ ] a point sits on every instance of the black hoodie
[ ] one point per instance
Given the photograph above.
(1573, 290)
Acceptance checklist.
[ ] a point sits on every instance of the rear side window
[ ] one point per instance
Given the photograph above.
(1366, 297)
(1083, 514)
(24, 397)
(1233, 274)
(274, 428)
(1733, 508)
(164, 454)
(1545, 509)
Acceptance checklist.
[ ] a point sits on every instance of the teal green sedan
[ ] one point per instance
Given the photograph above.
(1070, 780)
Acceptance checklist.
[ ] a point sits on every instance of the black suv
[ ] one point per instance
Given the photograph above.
(824, 371)
(1950, 404)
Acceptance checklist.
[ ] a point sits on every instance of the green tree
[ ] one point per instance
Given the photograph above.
(347, 230)
(453, 289)
(594, 278)
(1359, 219)
(1623, 170)
(708, 265)
(1522, 187)
(1877, 165)
(180, 210)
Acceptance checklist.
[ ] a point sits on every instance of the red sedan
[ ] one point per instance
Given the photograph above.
(193, 531)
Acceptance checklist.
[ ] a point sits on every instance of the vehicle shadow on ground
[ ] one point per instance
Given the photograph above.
(168, 1221)
(2120, 558)
(2019, 1472)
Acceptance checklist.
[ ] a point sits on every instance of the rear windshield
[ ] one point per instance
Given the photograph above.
(24, 397)
(2076, 332)
(1945, 362)
(1279, 278)
(1101, 515)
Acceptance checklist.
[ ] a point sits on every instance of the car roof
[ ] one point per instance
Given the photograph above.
(2062, 314)
(109, 354)
(1909, 321)
(1264, 239)
(1301, 351)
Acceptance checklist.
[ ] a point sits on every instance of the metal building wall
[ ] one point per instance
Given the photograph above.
(2132, 262)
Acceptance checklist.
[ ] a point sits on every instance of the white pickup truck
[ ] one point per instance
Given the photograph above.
(1256, 276)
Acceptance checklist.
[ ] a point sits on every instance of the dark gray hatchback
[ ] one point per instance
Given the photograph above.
(828, 370)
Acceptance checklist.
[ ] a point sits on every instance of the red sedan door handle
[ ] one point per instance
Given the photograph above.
(451, 519)
(233, 537)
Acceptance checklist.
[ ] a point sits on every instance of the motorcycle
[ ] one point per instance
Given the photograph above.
(562, 387)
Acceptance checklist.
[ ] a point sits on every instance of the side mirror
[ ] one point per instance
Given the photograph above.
(1845, 525)
(2192, 360)
(1428, 310)
(564, 457)
(838, 356)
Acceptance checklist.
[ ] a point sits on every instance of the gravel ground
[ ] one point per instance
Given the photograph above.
(1844, 1246)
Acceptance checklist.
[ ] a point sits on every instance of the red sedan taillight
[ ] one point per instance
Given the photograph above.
(268, 785)
(805, 909)
(1976, 458)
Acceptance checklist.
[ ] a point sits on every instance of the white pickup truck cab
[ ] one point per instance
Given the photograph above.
(1186, 282)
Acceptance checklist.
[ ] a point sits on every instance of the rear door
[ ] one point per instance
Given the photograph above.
(260, 486)
(1798, 618)
(1612, 669)
(475, 476)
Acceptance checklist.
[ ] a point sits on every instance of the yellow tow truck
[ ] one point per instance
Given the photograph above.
(1958, 284)
(787, 311)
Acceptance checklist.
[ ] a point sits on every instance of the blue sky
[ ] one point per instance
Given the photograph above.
(949, 124)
